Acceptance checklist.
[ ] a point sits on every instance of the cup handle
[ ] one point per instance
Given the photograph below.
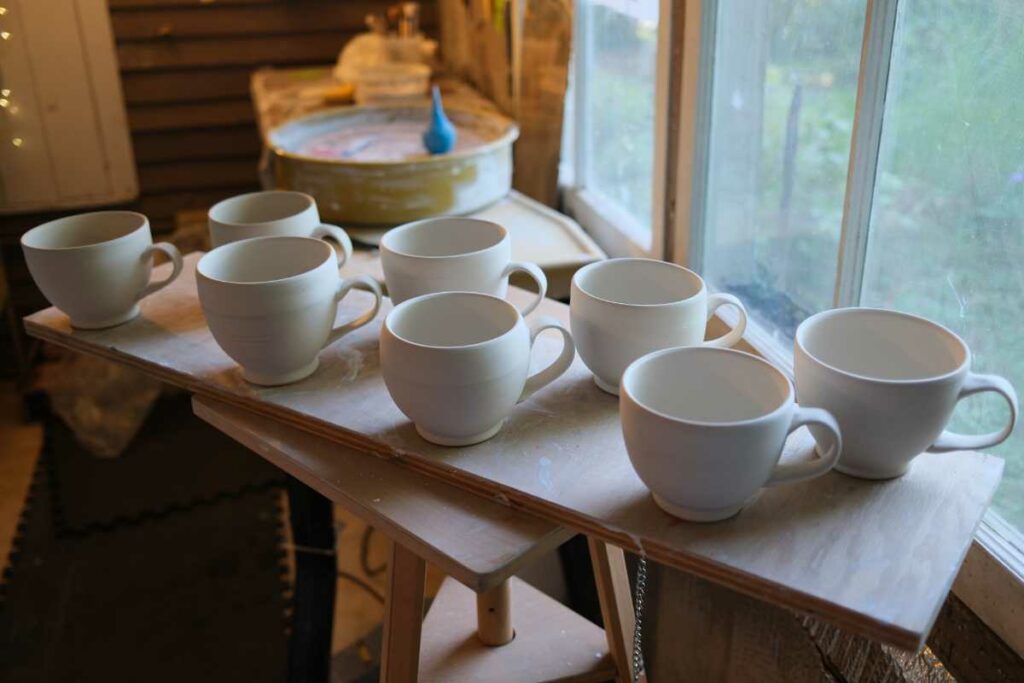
(366, 283)
(333, 232)
(172, 253)
(814, 468)
(534, 271)
(977, 384)
(542, 378)
(733, 336)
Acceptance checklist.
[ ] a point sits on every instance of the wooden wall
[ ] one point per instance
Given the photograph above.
(185, 67)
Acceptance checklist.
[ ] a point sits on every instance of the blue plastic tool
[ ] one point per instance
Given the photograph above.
(440, 137)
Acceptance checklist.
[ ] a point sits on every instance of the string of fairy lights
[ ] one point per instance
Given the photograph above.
(7, 104)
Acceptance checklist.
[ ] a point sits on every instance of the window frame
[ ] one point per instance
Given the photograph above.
(991, 581)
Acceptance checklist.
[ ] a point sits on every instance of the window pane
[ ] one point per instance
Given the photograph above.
(619, 53)
(784, 86)
(947, 226)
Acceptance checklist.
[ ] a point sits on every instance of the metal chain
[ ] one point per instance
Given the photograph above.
(641, 589)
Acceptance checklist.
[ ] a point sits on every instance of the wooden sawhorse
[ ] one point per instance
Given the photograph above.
(517, 633)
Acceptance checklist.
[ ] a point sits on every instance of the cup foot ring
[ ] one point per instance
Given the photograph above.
(269, 380)
(866, 473)
(469, 440)
(702, 515)
(612, 389)
(130, 314)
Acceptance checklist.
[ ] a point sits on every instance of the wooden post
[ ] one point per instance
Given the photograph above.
(494, 615)
(613, 592)
(403, 617)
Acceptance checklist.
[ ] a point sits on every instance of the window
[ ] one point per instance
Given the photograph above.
(946, 233)
(849, 152)
(784, 83)
(612, 113)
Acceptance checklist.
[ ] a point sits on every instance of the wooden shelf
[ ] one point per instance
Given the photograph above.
(877, 558)
(552, 643)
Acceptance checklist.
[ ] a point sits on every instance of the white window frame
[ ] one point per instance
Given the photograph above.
(991, 582)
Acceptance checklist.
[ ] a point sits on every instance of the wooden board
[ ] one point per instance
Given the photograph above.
(552, 643)
(874, 557)
(472, 539)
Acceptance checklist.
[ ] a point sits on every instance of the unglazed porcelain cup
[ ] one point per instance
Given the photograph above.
(95, 267)
(456, 363)
(892, 381)
(452, 255)
(704, 429)
(273, 213)
(625, 308)
(270, 303)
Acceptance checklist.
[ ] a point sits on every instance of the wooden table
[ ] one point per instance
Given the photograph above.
(877, 558)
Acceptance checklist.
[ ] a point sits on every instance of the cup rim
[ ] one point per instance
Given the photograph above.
(82, 247)
(596, 265)
(798, 341)
(310, 202)
(394, 233)
(328, 255)
(627, 392)
(409, 303)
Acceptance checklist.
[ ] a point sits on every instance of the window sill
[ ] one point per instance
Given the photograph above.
(615, 231)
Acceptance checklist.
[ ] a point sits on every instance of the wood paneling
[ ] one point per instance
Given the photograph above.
(190, 115)
(220, 20)
(312, 48)
(156, 87)
(194, 175)
(200, 143)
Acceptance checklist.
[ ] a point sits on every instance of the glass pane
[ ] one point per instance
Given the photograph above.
(619, 53)
(947, 226)
(784, 86)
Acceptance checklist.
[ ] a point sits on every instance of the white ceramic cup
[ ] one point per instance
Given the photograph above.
(452, 255)
(96, 266)
(892, 381)
(456, 363)
(274, 213)
(625, 308)
(705, 428)
(270, 303)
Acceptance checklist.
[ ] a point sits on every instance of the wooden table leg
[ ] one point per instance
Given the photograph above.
(494, 615)
(316, 576)
(403, 617)
(613, 592)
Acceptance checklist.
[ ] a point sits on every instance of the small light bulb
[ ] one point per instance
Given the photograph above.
(3, 11)
(4, 102)
(5, 35)
(6, 92)
(17, 142)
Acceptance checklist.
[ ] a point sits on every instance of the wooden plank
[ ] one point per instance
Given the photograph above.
(185, 85)
(613, 591)
(144, 118)
(403, 617)
(177, 53)
(206, 143)
(552, 643)
(876, 558)
(220, 20)
(970, 650)
(196, 175)
(475, 540)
